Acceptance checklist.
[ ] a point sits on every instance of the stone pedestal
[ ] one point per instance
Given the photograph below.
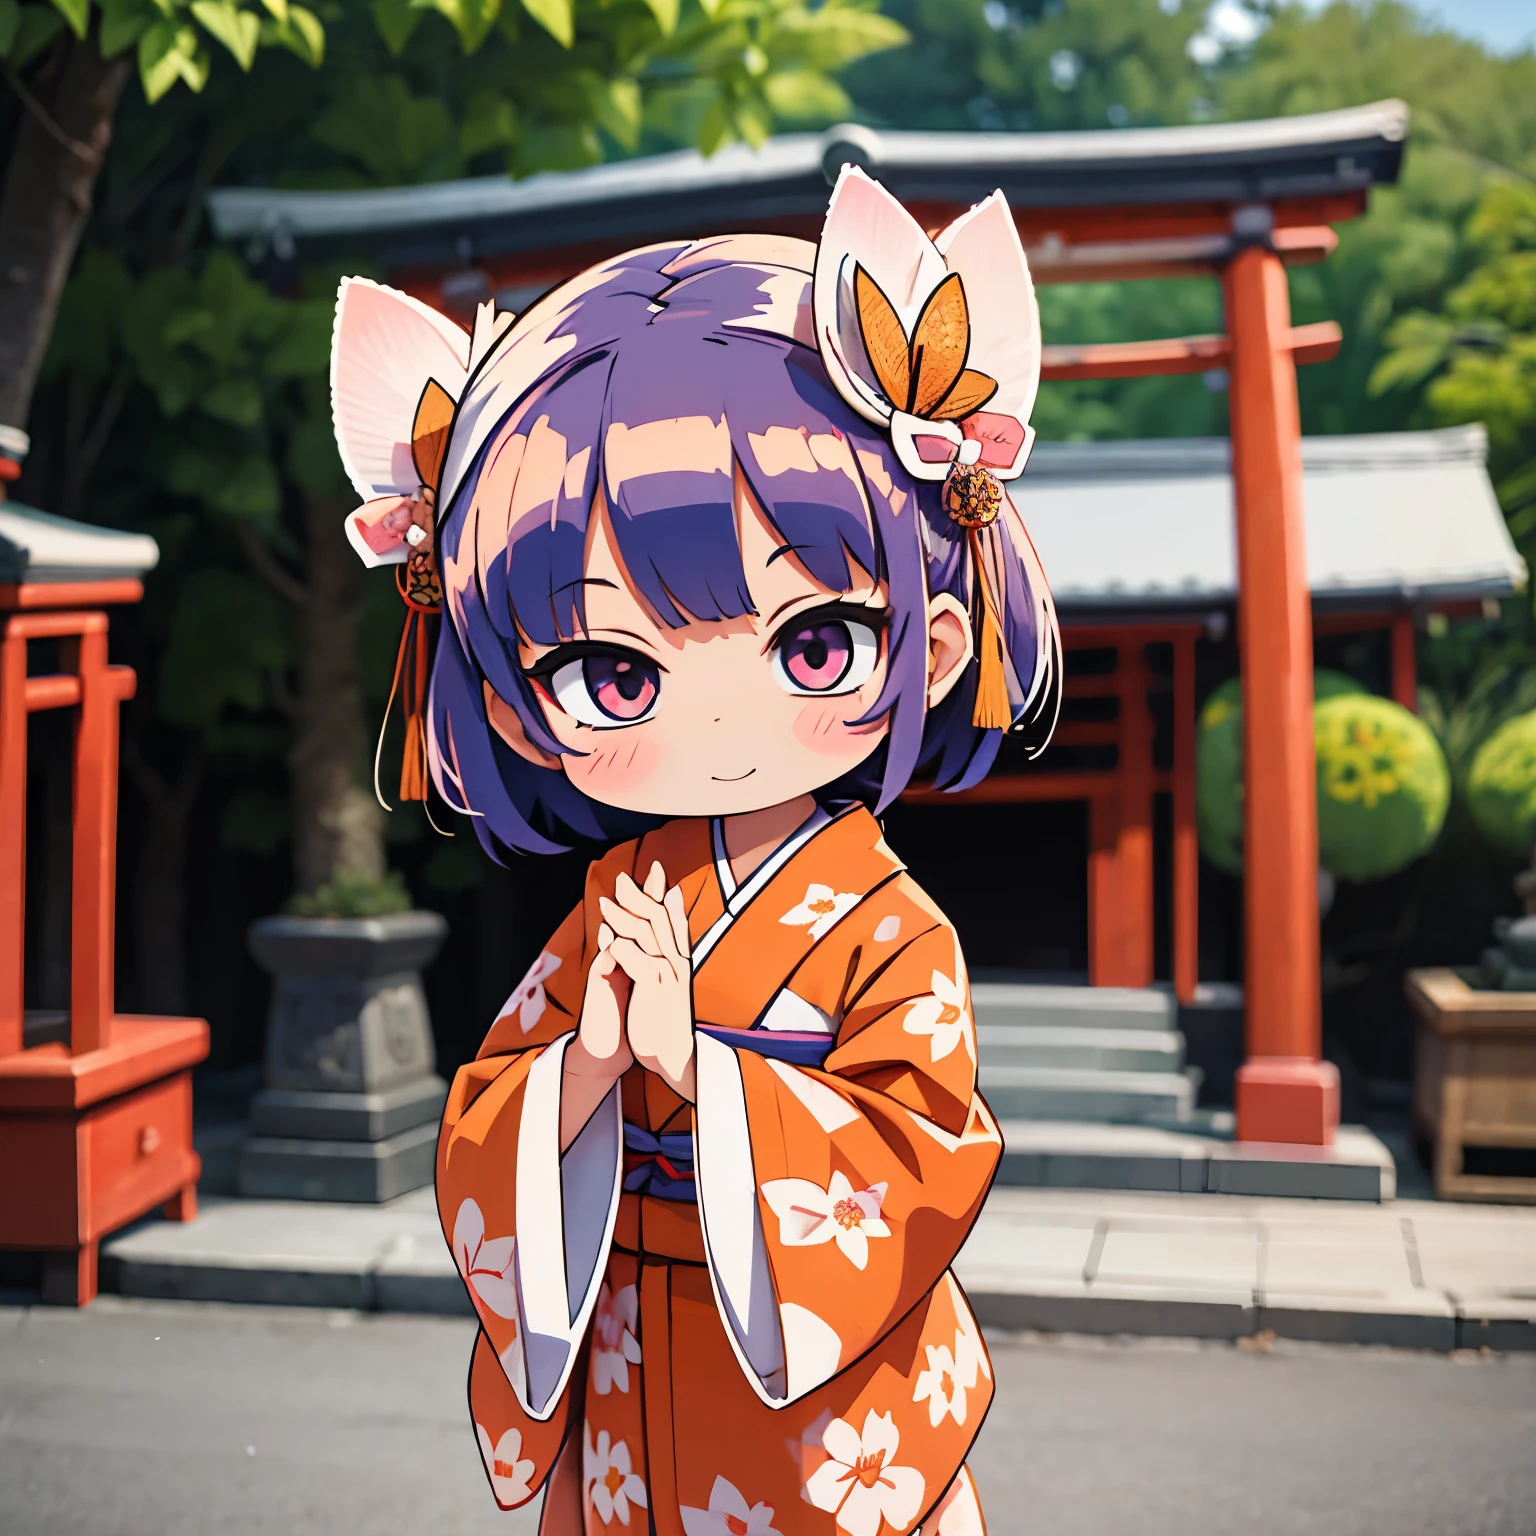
(351, 1104)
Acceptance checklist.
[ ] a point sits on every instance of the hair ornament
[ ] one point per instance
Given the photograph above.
(938, 340)
(398, 369)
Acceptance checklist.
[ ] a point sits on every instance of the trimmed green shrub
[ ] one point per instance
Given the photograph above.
(1219, 765)
(1382, 782)
(1501, 788)
(351, 893)
(1383, 786)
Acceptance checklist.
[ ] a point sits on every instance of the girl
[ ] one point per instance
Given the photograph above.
(726, 562)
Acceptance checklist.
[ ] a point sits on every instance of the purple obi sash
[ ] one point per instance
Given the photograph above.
(661, 1166)
(800, 1049)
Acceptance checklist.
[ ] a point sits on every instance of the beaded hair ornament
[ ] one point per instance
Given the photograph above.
(893, 322)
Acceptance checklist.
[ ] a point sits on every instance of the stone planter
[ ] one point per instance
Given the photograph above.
(352, 1101)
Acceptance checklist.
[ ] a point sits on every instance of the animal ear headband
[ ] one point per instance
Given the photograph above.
(938, 341)
(935, 340)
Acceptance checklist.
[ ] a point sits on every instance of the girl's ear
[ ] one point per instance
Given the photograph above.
(505, 722)
(949, 646)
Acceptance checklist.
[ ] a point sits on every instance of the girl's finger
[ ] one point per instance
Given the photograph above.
(627, 925)
(632, 899)
(673, 903)
(604, 937)
(638, 964)
(655, 882)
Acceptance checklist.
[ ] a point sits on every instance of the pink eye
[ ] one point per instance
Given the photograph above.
(826, 656)
(607, 689)
(817, 656)
(623, 687)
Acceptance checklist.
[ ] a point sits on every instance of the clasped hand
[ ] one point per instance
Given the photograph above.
(638, 1004)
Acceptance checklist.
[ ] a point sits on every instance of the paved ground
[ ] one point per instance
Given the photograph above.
(1409, 1273)
(173, 1419)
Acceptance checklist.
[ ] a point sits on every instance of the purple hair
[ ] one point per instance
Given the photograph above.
(678, 331)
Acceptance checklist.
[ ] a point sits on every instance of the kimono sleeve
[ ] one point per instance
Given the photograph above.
(833, 1199)
(529, 1228)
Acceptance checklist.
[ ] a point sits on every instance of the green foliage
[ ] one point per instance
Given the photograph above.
(229, 633)
(1036, 64)
(1219, 765)
(169, 37)
(1464, 98)
(757, 61)
(1476, 682)
(394, 136)
(351, 893)
(1501, 787)
(1383, 787)
(1083, 410)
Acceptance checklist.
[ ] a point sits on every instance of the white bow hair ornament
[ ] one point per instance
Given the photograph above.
(398, 369)
(893, 313)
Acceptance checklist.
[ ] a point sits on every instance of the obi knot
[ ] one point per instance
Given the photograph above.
(661, 1166)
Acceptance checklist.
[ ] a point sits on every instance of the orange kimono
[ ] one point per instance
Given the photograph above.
(736, 1318)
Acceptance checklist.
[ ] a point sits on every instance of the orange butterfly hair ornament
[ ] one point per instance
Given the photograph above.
(893, 322)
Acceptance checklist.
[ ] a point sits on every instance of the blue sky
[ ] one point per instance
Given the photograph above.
(1502, 25)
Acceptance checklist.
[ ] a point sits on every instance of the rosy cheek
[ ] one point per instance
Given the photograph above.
(820, 727)
(618, 761)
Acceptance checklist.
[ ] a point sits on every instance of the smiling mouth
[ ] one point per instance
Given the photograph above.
(737, 780)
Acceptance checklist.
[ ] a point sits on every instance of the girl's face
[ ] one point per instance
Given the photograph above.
(713, 719)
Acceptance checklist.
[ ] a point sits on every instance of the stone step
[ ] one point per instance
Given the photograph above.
(1049, 1007)
(1077, 1093)
(1200, 1156)
(1046, 1045)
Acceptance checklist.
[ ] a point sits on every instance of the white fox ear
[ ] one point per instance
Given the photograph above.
(385, 348)
(983, 247)
(490, 326)
(918, 334)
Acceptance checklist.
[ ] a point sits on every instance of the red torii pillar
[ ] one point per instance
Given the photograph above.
(96, 1131)
(1285, 1092)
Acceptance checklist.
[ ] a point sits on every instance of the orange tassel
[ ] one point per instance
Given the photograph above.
(991, 711)
(421, 590)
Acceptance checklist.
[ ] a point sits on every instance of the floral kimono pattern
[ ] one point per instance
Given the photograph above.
(736, 1318)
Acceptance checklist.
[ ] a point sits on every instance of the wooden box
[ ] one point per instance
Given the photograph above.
(1474, 1081)
(91, 1141)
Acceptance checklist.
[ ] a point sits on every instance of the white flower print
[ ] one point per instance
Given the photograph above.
(943, 1017)
(942, 1385)
(510, 1477)
(612, 1484)
(860, 1481)
(728, 1515)
(486, 1263)
(614, 1345)
(958, 1513)
(887, 929)
(821, 908)
(807, 1452)
(970, 1353)
(809, 1214)
(527, 1000)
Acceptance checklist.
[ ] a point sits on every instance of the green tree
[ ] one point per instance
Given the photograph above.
(1026, 65)
(182, 397)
